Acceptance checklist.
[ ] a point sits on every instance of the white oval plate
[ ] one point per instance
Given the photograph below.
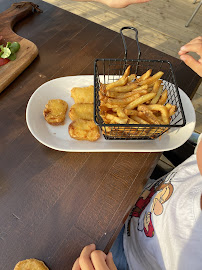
(57, 137)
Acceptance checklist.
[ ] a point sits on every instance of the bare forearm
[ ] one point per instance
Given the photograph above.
(116, 3)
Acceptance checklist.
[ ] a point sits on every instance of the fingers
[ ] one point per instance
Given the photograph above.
(91, 259)
(85, 258)
(99, 260)
(110, 262)
(195, 40)
(199, 156)
(138, 1)
(195, 45)
(192, 63)
(120, 3)
(76, 265)
(192, 47)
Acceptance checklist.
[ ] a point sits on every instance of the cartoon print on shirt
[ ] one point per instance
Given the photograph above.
(142, 202)
(148, 226)
(164, 194)
(164, 191)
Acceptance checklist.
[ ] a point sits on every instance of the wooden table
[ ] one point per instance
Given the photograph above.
(54, 203)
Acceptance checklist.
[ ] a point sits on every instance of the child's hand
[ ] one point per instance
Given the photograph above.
(92, 259)
(194, 45)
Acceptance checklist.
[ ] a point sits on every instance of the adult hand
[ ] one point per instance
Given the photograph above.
(194, 45)
(92, 259)
(121, 3)
(116, 3)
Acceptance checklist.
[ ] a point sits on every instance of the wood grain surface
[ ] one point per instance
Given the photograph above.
(28, 50)
(54, 203)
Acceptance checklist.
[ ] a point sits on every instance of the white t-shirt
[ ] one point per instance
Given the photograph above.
(164, 230)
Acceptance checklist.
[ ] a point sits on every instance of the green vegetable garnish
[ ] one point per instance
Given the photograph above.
(10, 50)
(14, 47)
(6, 52)
(8, 44)
(12, 57)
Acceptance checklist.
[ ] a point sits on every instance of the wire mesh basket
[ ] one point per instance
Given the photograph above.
(110, 70)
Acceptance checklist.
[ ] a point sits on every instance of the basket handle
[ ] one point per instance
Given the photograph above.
(124, 41)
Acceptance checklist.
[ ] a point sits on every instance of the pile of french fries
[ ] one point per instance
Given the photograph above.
(132, 100)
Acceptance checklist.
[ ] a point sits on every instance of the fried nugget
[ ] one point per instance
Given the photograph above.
(55, 111)
(31, 264)
(82, 111)
(84, 130)
(83, 94)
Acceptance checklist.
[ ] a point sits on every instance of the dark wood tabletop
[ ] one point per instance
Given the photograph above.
(54, 203)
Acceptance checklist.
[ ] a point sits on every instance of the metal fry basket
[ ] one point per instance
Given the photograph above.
(110, 70)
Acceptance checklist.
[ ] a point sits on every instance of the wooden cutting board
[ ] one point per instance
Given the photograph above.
(28, 50)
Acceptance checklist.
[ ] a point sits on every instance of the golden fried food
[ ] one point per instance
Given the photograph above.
(152, 79)
(82, 111)
(163, 97)
(149, 115)
(55, 111)
(84, 130)
(163, 110)
(124, 88)
(145, 76)
(142, 89)
(31, 264)
(83, 94)
(141, 101)
(121, 82)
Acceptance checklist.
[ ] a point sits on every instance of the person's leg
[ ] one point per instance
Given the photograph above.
(118, 252)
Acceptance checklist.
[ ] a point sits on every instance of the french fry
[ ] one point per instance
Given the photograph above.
(125, 88)
(123, 101)
(126, 95)
(145, 76)
(110, 106)
(158, 94)
(163, 97)
(116, 119)
(104, 109)
(121, 113)
(122, 81)
(139, 119)
(172, 110)
(102, 88)
(143, 116)
(127, 72)
(101, 95)
(150, 88)
(168, 106)
(149, 114)
(132, 77)
(132, 122)
(152, 79)
(141, 89)
(140, 100)
(156, 86)
(163, 110)
(130, 112)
